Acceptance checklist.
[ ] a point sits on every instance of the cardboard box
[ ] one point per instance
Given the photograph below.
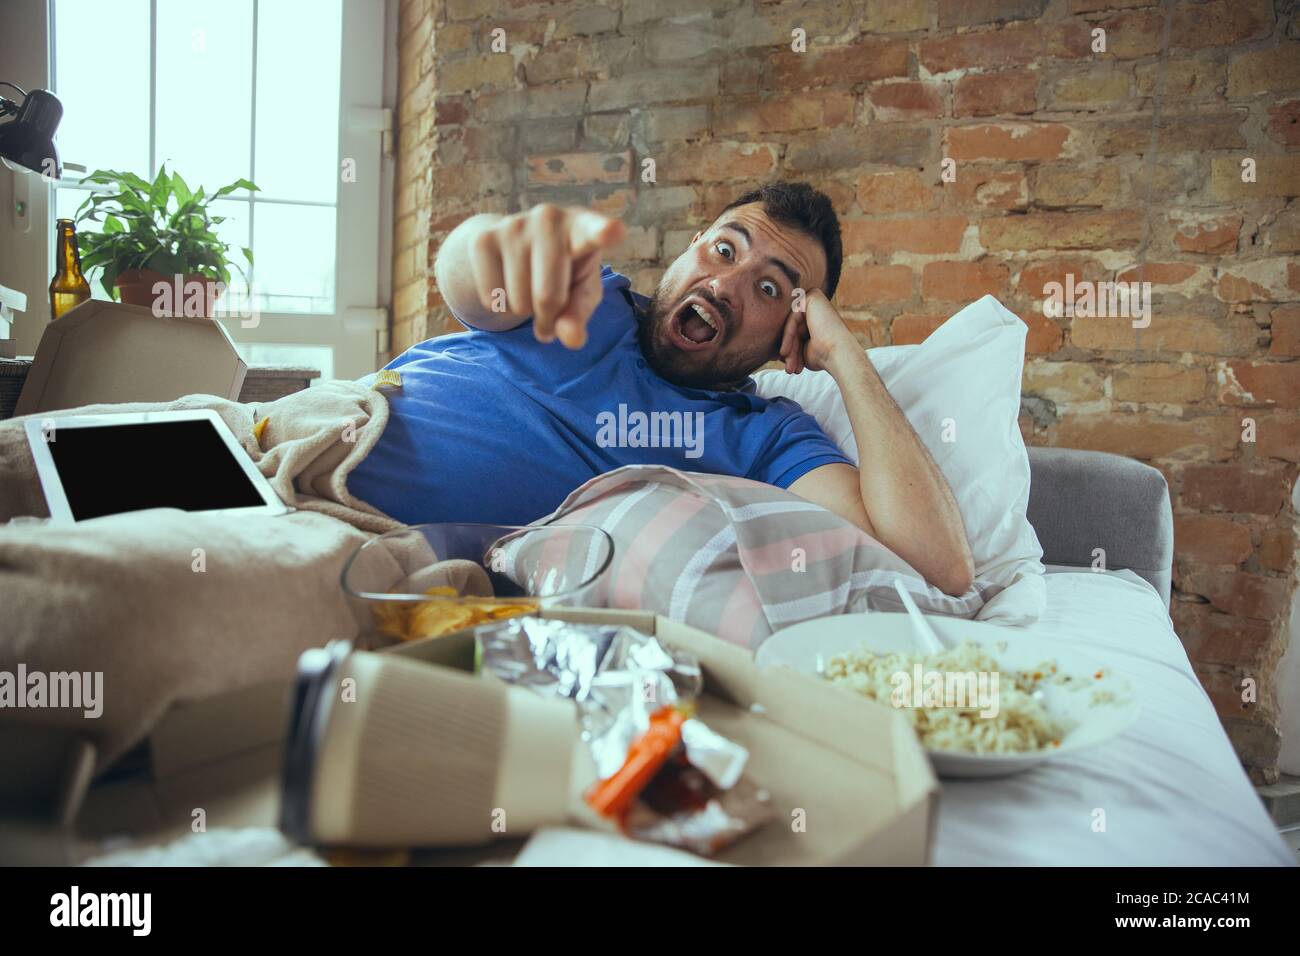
(109, 352)
(849, 770)
(848, 777)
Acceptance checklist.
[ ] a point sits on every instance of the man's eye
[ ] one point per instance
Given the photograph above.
(725, 249)
(770, 288)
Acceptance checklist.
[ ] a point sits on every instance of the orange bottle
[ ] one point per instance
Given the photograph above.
(69, 287)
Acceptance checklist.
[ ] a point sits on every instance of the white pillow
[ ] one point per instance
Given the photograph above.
(961, 384)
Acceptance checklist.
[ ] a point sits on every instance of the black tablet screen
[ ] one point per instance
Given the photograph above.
(107, 469)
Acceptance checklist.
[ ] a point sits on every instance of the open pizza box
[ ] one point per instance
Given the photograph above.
(848, 778)
(102, 352)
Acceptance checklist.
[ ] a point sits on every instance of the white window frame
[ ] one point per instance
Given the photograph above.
(357, 329)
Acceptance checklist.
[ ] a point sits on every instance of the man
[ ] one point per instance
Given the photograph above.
(500, 423)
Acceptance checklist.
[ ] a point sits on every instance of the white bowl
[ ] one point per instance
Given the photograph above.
(809, 646)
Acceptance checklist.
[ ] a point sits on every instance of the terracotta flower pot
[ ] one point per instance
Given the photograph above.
(137, 287)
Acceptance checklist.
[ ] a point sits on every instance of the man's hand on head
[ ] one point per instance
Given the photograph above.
(547, 261)
(813, 337)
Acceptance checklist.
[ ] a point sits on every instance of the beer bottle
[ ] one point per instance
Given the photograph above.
(69, 287)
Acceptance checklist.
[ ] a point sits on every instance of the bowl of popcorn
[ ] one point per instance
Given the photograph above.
(429, 580)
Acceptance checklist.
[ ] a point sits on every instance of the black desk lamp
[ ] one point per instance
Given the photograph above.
(28, 139)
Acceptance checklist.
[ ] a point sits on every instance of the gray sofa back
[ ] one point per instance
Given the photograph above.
(1080, 501)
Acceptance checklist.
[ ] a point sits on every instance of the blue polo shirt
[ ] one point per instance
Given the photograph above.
(499, 428)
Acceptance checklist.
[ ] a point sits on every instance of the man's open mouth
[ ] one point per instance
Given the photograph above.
(696, 325)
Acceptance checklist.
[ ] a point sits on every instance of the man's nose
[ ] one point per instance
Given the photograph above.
(725, 289)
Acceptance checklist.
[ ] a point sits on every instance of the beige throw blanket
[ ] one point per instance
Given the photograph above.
(169, 605)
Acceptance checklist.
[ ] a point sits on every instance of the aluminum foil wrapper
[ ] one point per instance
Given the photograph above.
(618, 677)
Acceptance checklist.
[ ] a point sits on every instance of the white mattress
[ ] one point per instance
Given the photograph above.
(1171, 787)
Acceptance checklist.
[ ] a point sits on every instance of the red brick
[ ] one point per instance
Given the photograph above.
(1159, 273)
(969, 13)
(1224, 690)
(1035, 276)
(1212, 637)
(963, 281)
(929, 236)
(840, 194)
(717, 162)
(1015, 45)
(1065, 383)
(835, 150)
(452, 109)
(840, 66)
(1158, 383)
(1211, 540)
(1006, 141)
(1134, 34)
(907, 100)
(1178, 134)
(1276, 436)
(1062, 230)
(1278, 548)
(1258, 280)
(1273, 69)
(1092, 89)
(1220, 23)
(911, 329)
(872, 284)
(987, 188)
(782, 113)
(614, 204)
(568, 169)
(479, 143)
(1044, 337)
(1212, 236)
(1169, 333)
(1286, 331)
(1284, 123)
(1062, 185)
(1238, 489)
(995, 94)
(1238, 593)
(1147, 436)
(903, 191)
(868, 329)
(1097, 6)
(1071, 40)
(1260, 383)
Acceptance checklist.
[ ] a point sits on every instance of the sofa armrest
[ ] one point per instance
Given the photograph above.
(1083, 500)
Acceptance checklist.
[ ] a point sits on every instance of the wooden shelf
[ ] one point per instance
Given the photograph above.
(263, 383)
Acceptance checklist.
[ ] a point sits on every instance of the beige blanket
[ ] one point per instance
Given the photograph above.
(169, 605)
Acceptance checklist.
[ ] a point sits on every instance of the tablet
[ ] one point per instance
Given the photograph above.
(95, 465)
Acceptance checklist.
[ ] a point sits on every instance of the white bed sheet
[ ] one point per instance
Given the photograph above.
(1172, 789)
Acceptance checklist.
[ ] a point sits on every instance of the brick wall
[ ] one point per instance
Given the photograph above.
(1113, 165)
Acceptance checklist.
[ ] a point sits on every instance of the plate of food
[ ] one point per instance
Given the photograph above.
(991, 702)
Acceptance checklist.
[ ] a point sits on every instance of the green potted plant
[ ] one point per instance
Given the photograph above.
(153, 232)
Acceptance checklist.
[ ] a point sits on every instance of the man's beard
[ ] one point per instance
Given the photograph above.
(725, 370)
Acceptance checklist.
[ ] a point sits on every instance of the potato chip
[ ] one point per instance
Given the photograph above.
(391, 618)
(447, 612)
(436, 618)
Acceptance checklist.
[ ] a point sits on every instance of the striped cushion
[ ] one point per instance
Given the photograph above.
(738, 558)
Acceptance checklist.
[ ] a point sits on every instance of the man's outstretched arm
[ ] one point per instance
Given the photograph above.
(897, 494)
(494, 272)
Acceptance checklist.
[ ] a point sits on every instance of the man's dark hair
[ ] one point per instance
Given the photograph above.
(808, 210)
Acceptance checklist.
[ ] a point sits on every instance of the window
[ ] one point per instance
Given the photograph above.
(266, 90)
